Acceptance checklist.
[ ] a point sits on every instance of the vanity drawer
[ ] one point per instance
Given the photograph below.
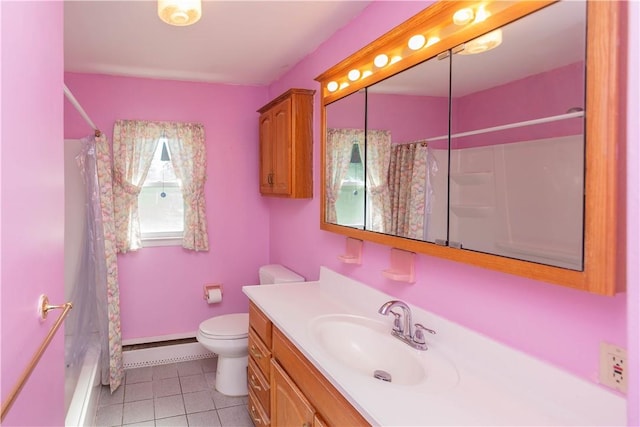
(256, 412)
(260, 323)
(259, 353)
(258, 385)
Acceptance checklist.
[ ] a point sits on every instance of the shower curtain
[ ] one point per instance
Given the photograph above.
(95, 294)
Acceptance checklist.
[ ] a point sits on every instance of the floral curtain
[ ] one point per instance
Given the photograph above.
(339, 146)
(407, 184)
(110, 267)
(134, 143)
(187, 146)
(378, 148)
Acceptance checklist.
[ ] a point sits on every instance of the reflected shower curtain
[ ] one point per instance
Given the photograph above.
(96, 294)
(410, 189)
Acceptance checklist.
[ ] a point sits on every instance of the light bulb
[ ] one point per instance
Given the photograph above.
(332, 86)
(381, 60)
(416, 42)
(463, 16)
(354, 75)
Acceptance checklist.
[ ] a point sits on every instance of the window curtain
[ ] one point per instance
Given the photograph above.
(378, 148)
(339, 146)
(134, 143)
(407, 187)
(186, 143)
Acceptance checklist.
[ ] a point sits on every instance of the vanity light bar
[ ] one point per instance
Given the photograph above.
(416, 42)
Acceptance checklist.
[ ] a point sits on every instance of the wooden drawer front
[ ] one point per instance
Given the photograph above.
(260, 323)
(259, 353)
(256, 412)
(258, 385)
(323, 396)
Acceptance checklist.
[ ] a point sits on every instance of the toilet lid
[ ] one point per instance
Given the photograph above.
(228, 326)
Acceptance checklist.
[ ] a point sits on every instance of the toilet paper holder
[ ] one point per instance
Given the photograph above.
(208, 288)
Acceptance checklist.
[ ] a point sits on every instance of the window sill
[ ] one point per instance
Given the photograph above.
(161, 241)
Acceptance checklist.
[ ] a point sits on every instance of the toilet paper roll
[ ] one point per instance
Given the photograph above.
(214, 295)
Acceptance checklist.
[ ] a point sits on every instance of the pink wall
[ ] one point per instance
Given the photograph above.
(32, 205)
(542, 95)
(161, 287)
(633, 212)
(556, 324)
(409, 118)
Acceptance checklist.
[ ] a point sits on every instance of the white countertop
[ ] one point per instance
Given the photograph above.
(495, 385)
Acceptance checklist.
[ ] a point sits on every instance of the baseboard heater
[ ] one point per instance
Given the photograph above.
(163, 352)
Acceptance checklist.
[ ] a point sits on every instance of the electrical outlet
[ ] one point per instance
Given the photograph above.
(613, 367)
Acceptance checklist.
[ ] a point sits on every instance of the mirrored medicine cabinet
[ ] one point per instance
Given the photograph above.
(485, 133)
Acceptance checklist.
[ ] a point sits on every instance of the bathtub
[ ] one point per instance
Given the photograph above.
(82, 388)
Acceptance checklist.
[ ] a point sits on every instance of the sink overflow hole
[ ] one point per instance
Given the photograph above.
(382, 375)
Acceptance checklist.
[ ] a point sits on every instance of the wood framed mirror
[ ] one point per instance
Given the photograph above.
(577, 245)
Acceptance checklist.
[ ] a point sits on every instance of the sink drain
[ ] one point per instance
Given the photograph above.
(382, 375)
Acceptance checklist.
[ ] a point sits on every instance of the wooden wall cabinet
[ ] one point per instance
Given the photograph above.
(286, 145)
(298, 393)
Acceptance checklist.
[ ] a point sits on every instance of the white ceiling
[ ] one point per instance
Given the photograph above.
(235, 42)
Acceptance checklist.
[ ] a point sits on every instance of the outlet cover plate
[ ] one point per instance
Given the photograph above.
(613, 367)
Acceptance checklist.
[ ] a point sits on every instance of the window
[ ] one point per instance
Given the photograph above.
(160, 202)
(178, 154)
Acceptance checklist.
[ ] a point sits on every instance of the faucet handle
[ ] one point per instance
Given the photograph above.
(397, 324)
(418, 337)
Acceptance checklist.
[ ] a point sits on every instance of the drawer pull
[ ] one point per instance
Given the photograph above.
(255, 353)
(256, 419)
(306, 424)
(253, 384)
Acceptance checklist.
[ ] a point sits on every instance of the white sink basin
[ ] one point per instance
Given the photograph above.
(364, 346)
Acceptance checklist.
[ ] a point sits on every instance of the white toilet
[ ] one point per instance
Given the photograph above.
(227, 336)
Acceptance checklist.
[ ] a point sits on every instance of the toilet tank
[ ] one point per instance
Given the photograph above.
(276, 273)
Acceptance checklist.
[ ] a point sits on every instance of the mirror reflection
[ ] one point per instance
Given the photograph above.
(344, 161)
(410, 163)
(517, 143)
(480, 148)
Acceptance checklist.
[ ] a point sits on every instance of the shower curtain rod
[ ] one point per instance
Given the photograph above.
(78, 107)
(511, 125)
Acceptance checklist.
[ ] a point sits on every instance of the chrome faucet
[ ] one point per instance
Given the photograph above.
(404, 330)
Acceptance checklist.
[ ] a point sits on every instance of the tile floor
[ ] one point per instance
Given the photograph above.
(177, 394)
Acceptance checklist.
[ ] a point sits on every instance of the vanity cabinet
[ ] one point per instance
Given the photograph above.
(259, 368)
(298, 393)
(286, 145)
(290, 407)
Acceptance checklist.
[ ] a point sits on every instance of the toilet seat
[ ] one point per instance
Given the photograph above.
(226, 327)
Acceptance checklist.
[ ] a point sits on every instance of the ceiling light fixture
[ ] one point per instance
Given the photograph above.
(483, 43)
(180, 12)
